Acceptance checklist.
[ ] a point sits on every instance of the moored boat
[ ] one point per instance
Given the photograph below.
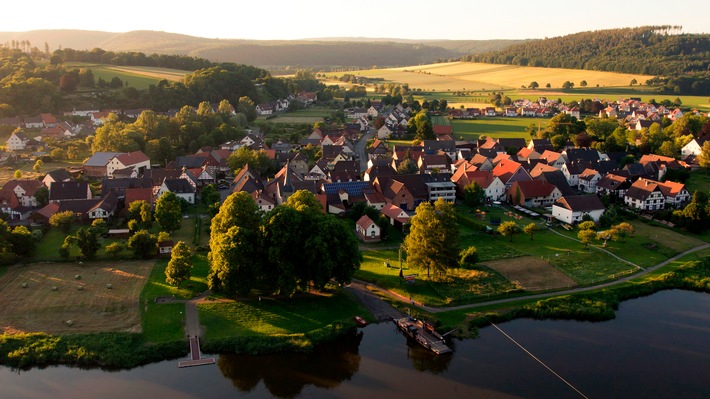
(360, 321)
(423, 333)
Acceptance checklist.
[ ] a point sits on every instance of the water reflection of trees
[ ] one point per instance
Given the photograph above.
(426, 360)
(286, 374)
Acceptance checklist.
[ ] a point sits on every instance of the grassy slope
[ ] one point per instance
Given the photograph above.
(165, 322)
(138, 77)
(280, 317)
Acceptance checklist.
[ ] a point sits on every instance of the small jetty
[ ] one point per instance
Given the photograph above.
(423, 333)
(196, 358)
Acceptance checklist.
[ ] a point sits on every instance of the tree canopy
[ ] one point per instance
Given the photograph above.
(272, 253)
(432, 242)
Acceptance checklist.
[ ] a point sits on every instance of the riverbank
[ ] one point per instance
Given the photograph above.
(273, 329)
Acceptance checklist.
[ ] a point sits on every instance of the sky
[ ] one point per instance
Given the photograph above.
(299, 19)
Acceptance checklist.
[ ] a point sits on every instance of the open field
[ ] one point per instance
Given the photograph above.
(471, 129)
(38, 308)
(137, 77)
(531, 273)
(458, 76)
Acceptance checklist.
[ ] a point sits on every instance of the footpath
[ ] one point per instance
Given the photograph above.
(360, 286)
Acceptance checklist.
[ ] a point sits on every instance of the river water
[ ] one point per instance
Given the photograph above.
(657, 347)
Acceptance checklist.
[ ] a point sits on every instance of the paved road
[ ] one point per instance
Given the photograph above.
(361, 150)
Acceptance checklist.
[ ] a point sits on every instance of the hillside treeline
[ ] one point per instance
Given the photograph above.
(681, 61)
(28, 88)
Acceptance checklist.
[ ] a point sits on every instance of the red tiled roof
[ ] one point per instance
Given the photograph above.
(132, 158)
(364, 222)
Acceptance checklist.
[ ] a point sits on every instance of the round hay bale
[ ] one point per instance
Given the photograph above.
(69, 323)
(109, 286)
(24, 285)
(54, 288)
(77, 277)
(80, 287)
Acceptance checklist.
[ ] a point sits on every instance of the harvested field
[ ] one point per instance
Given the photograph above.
(93, 308)
(532, 273)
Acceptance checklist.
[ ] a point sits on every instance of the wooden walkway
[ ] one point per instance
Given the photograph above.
(195, 356)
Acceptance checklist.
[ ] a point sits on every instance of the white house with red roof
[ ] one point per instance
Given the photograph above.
(135, 160)
(367, 230)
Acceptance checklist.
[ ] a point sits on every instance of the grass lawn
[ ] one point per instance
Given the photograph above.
(269, 316)
(649, 246)
(471, 129)
(698, 181)
(458, 285)
(166, 322)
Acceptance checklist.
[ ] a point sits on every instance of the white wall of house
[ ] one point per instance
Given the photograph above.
(567, 216)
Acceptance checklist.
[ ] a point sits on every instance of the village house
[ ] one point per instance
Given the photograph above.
(69, 191)
(19, 141)
(694, 147)
(136, 161)
(533, 193)
(180, 187)
(367, 230)
(645, 195)
(396, 216)
(57, 175)
(571, 209)
(492, 185)
(613, 185)
(588, 180)
(509, 171)
(24, 190)
(649, 195)
(96, 165)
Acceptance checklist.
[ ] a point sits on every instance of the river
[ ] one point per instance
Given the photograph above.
(658, 346)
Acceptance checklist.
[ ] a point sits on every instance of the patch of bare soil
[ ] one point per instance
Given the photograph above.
(533, 274)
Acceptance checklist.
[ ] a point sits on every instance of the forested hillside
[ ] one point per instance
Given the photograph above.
(681, 61)
(325, 53)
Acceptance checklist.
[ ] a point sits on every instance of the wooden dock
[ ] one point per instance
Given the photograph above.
(423, 333)
(195, 355)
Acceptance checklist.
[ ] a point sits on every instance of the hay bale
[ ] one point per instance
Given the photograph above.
(69, 323)
(54, 288)
(77, 277)
(109, 286)
(24, 285)
(80, 287)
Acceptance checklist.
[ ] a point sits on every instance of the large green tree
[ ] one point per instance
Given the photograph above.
(234, 245)
(168, 212)
(179, 268)
(274, 254)
(474, 195)
(432, 242)
(143, 244)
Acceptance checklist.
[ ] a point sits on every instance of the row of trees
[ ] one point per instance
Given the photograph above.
(609, 134)
(162, 137)
(294, 246)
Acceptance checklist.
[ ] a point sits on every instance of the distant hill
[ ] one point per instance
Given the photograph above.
(680, 61)
(316, 53)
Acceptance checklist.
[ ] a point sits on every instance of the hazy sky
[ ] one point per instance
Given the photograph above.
(297, 19)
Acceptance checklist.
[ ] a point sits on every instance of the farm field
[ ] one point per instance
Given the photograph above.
(137, 77)
(38, 308)
(458, 76)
